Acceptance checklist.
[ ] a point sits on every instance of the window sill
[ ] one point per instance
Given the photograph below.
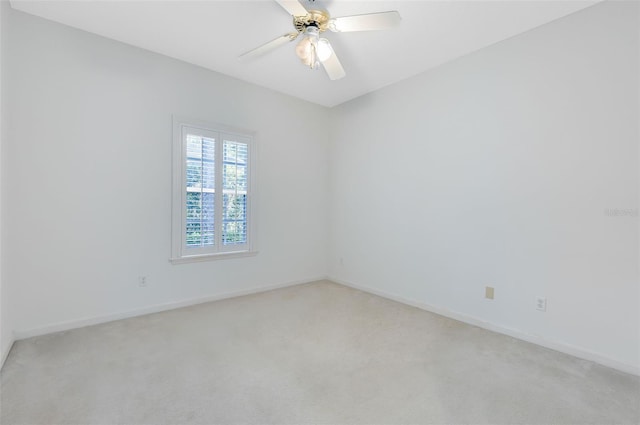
(212, 257)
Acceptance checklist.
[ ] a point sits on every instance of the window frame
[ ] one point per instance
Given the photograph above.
(179, 252)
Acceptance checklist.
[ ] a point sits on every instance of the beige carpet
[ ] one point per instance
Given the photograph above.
(316, 353)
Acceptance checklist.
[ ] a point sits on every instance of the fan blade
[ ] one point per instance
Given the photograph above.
(293, 7)
(267, 47)
(333, 66)
(368, 22)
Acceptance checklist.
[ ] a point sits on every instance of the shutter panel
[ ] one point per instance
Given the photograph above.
(235, 177)
(200, 191)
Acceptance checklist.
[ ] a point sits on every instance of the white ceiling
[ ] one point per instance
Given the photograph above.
(213, 33)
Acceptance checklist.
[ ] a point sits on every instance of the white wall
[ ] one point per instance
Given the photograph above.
(88, 202)
(496, 169)
(6, 334)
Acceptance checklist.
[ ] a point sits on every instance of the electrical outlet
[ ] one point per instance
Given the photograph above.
(142, 281)
(541, 303)
(488, 292)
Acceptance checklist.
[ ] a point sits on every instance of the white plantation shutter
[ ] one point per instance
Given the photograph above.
(200, 190)
(212, 172)
(235, 172)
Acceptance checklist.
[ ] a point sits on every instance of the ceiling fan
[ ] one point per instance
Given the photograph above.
(313, 50)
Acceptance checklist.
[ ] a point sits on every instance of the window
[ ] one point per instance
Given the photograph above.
(212, 192)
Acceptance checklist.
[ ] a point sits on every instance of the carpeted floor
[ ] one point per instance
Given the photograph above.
(315, 353)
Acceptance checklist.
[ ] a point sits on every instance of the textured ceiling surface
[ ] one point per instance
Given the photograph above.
(212, 34)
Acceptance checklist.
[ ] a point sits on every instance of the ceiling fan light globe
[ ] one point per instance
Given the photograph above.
(308, 45)
(303, 48)
(307, 48)
(324, 50)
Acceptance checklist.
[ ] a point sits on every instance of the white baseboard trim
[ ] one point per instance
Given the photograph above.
(515, 333)
(7, 350)
(89, 321)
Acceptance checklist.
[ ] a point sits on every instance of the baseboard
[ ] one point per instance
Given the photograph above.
(74, 324)
(515, 333)
(5, 353)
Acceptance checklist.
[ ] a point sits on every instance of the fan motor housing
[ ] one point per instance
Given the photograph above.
(316, 18)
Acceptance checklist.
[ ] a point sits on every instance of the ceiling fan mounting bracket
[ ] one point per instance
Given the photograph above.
(315, 18)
